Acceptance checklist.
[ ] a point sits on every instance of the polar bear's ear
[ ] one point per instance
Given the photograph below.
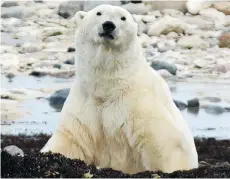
(80, 14)
(78, 17)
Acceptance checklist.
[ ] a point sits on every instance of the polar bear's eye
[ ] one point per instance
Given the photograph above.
(123, 18)
(98, 13)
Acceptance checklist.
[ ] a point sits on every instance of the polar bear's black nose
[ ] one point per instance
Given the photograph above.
(108, 26)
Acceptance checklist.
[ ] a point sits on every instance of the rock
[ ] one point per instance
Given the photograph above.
(88, 5)
(212, 41)
(222, 7)
(19, 12)
(158, 65)
(195, 6)
(164, 73)
(166, 45)
(203, 33)
(38, 1)
(39, 72)
(148, 19)
(125, 2)
(144, 40)
(224, 164)
(193, 103)
(69, 8)
(224, 41)
(142, 25)
(136, 8)
(166, 25)
(71, 49)
(223, 68)
(136, 2)
(52, 32)
(172, 12)
(193, 41)
(13, 22)
(150, 52)
(180, 105)
(173, 35)
(199, 22)
(161, 5)
(58, 99)
(9, 3)
(200, 63)
(70, 61)
(14, 150)
(10, 75)
(58, 66)
(213, 14)
(203, 164)
(9, 61)
(30, 48)
(156, 14)
(227, 109)
(214, 109)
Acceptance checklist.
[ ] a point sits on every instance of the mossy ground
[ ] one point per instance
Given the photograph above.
(216, 153)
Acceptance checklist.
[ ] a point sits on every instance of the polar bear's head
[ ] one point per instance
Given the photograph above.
(106, 24)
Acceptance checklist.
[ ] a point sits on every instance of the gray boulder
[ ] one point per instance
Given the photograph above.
(58, 99)
(214, 109)
(69, 8)
(9, 3)
(193, 103)
(158, 65)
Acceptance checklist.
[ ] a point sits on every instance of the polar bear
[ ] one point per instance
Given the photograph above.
(119, 113)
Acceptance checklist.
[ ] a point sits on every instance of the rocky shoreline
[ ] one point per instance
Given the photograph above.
(37, 37)
(214, 159)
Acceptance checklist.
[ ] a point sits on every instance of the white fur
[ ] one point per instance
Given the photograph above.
(120, 112)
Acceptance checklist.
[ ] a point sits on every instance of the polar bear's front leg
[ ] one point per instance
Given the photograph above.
(60, 143)
(159, 144)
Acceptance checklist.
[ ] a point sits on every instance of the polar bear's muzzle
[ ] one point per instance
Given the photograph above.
(108, 29)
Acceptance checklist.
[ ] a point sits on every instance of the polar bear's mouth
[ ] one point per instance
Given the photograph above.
(106, 35)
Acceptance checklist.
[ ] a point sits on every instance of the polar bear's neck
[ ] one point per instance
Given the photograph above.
(105, 60)
(100, 67)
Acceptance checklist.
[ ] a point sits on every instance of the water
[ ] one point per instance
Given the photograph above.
(43, 118)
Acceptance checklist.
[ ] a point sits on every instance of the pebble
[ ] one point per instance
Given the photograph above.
(164, 73)
(71, 49)
(70, 61)
(58, 66)
(10, 75)
(14, 150)
(193, 103)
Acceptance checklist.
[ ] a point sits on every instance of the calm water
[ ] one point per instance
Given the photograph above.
(43, 118)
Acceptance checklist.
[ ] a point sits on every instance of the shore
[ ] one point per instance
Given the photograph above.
(214, 159)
